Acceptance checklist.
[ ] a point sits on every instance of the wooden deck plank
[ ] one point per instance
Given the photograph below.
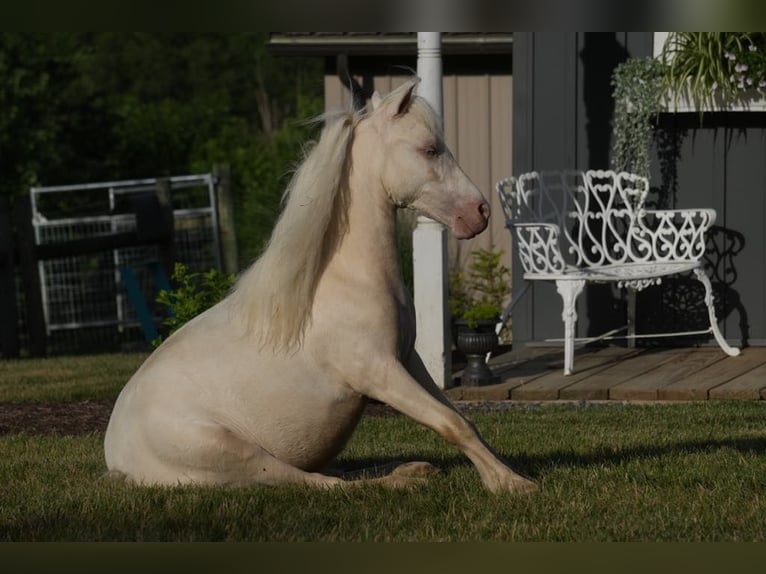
(750, 384)
(500, 392)
(526, 354)
(700, 385)
(514, 369)
(549, 386)
(613, 373)
(596, 387)
(646, 387)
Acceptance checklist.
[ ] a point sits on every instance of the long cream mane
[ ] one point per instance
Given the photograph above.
(275, 295)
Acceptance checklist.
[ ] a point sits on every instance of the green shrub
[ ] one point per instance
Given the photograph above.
(480, 293)
(195, 292)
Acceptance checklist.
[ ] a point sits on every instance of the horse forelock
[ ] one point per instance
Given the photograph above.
(276, 294)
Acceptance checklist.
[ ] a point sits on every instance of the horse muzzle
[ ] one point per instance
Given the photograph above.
(471, 221)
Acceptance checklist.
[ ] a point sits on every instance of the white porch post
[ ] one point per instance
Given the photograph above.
(429, 243)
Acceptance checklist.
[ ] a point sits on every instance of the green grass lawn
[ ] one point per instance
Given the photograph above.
(67, 378)
(679, 472)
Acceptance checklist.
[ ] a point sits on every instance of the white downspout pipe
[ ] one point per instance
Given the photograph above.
(429, 243)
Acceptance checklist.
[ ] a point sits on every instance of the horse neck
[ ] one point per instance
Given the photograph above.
(370, 242)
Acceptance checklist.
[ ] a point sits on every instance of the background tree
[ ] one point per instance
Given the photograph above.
(80, 107)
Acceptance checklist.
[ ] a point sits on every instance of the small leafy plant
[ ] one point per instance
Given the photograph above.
(195, 292)
(480, 293)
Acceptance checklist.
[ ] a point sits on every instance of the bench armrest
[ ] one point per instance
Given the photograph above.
(672, 234)
(538, 247)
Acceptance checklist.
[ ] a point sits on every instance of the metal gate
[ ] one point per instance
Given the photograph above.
(86, 291)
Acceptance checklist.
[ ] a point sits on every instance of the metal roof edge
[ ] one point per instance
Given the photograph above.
(381, 44)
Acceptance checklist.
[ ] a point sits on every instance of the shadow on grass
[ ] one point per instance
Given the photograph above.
(535, 466)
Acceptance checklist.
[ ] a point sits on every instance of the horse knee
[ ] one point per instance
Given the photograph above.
(457, 430)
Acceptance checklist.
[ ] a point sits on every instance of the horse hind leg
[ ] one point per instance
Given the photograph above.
(264, 468)
(394, 475)
(220, 457)
(215, 455)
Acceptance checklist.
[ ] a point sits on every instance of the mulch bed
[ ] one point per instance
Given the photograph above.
(60, 418)
(81, 417)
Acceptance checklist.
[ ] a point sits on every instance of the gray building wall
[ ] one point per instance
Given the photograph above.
(562, 120)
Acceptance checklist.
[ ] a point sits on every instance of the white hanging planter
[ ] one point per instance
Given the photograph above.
(747, 101)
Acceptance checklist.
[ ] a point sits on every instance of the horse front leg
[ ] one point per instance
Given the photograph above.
(424, 402)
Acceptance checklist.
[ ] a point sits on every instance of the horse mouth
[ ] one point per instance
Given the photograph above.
(463, 229)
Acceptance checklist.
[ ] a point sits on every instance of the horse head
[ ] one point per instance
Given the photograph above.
(417, 169)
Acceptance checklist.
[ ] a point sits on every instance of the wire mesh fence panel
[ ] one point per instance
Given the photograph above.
(77, 290)
(85, 302)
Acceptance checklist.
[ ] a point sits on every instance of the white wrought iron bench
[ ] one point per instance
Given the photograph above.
(574, 227)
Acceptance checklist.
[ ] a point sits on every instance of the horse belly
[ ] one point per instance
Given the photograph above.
(306, 425)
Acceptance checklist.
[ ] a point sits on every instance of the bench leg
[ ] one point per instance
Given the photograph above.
(709, 301)
(569, 290)
(631, 318)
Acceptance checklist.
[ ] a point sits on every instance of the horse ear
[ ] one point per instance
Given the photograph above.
(376, 99)
(397, 102)
(405, 99)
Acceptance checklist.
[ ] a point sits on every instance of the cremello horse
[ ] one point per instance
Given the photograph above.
(267, 386)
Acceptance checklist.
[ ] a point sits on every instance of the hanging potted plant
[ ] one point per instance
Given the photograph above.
(476, 303)
(695, 71)
(704, 70)
(714, 70)
(637, 91)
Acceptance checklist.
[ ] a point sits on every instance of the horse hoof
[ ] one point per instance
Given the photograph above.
(415, 469)
(517, 485)
(525, 486)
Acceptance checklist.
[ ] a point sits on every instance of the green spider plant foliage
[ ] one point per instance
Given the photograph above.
(712, 67)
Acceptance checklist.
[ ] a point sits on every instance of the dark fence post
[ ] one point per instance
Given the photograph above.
(226, 229)
(9, 334)
(165, 226)
(33, 301)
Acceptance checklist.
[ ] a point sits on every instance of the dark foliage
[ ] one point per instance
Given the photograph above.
(96, 106)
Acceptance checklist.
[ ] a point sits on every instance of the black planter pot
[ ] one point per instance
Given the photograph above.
(475, 343)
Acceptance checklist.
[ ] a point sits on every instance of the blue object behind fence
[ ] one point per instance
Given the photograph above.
(136, 296)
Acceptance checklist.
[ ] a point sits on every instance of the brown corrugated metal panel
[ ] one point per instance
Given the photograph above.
(482, 112)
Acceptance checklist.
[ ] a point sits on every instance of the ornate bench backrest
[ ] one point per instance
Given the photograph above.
(595, 213)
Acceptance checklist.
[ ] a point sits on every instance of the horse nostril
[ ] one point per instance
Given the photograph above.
(484, 209)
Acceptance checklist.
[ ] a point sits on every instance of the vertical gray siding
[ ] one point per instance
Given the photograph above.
(544, 137)
(745, 213)
(722, 164)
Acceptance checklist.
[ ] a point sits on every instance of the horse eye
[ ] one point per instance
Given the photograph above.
(432, 151)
